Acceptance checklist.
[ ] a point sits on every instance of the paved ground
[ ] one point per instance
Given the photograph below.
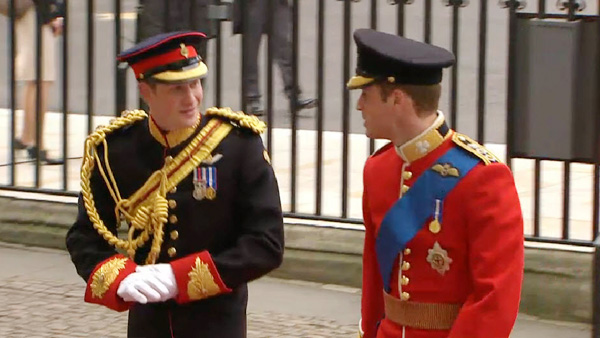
(41, 297)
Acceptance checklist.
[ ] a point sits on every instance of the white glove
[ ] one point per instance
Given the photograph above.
(163, 273)
(142, 288)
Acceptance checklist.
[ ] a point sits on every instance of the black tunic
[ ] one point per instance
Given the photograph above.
(242, 228)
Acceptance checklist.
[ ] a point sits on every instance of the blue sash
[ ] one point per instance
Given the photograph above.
(408, 215)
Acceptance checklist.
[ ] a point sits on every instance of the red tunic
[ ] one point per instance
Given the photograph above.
(481, 230)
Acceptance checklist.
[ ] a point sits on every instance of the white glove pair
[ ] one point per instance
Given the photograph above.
(149, 283)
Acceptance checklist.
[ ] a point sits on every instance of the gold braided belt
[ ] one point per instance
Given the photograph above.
(427, 316)
(146, 210)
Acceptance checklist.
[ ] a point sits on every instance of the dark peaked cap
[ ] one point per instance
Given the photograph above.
(168, 57)
(397, 59)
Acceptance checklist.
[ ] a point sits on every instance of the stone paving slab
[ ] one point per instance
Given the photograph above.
(45, 308)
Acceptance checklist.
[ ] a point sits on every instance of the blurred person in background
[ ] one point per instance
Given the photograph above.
(258, 13)
(164, 16)
(49, 13)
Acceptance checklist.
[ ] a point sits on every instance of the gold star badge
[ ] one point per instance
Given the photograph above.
(438, 258)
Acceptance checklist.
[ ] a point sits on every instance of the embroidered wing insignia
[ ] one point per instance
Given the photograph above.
(445, 170)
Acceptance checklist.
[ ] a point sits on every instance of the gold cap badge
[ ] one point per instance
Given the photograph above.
(184, 50)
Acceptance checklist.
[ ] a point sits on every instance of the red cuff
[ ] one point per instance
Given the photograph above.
(104, 282)
(197, 278)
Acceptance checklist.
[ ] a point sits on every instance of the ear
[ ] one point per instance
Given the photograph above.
(399, 97)
(145, 90)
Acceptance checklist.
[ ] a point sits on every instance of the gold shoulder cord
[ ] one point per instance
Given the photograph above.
(146, 210)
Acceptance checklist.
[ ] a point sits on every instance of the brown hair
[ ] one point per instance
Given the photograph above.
(426, 98)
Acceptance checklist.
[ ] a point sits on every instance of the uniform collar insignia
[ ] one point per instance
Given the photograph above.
(173, 138)
(426, 142)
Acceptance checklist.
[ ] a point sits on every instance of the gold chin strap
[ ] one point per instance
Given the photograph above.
(147, 209)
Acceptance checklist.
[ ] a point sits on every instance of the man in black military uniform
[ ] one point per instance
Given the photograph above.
(194, 195)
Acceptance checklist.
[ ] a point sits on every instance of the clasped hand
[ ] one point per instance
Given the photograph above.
(149, 284)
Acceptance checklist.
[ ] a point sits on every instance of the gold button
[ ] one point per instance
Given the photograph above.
(172, 204)
(407, 175)
(405, 296)
(405, 189)
(168, 159)
(174, 190)
(405, 266)
(407, 251)
(405, 280)
(173, 219)
(174, 235)
(172, 252)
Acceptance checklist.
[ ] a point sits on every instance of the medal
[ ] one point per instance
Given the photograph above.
(205, 183)
(199, 186)
(435, 226)
(211, 193)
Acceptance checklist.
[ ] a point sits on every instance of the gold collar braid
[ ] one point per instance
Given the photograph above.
(146, 210)
(171, 139)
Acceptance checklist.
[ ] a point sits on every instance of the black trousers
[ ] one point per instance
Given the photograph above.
(257, 26)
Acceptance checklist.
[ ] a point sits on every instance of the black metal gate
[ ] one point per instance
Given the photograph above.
(481, 34)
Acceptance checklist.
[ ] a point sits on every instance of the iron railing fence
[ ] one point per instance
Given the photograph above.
(478, 101)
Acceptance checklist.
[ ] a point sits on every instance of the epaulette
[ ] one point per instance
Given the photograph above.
(381, 150)
(127, 118)
(239, 119)
(475, 148)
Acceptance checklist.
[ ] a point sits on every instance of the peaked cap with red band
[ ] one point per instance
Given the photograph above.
(167, 57)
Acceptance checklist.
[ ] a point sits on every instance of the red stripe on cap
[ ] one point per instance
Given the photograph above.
(177, 36)
(163, 59)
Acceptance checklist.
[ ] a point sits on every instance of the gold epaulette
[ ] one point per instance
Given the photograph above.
(475, 148)
(239, 119)
(127, 117)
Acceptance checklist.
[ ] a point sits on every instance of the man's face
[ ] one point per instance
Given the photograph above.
(377, 113)
(173, 106)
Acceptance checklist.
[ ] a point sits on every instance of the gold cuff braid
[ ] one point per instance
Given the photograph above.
(105, 276)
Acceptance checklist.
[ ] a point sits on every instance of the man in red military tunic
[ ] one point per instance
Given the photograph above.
(443, 254)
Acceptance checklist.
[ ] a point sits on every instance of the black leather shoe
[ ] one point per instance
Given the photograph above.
(32, 152)
(306, 103)
(19, 145)
(254, 108)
